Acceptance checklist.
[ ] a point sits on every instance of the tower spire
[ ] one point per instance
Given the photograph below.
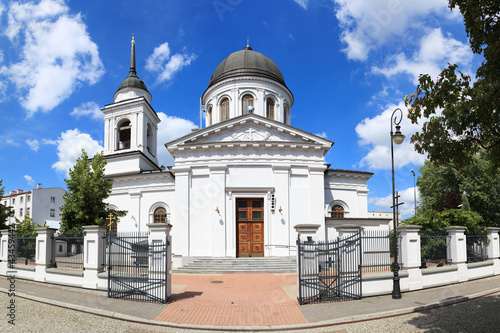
(248, 44)
(132, 58)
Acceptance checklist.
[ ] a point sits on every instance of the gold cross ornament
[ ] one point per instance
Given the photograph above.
(111, 219)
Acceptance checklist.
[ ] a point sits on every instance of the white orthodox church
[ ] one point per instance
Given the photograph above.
(240, 184)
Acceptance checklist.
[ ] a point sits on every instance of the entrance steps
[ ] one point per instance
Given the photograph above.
(218, 265)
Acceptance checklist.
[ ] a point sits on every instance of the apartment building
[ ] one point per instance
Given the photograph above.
(41, 204)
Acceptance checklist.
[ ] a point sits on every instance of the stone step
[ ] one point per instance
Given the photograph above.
(207, 265)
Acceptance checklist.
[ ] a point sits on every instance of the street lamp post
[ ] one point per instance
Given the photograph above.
(396, 138)
(414, 192)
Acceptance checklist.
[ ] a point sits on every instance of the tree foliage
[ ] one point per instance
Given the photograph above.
(463, 116)
(25, 228)
(432, 220)
(84, 201)
(442, 187)
(5, 211)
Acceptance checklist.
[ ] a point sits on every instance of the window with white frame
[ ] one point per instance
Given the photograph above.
(52, 199)
(28, 211)
(52, 212)
(21, 212)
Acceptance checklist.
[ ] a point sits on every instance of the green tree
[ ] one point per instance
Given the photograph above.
(25, 228)
(5, 211)
(470, 111)
(84, 201)
(441, 188)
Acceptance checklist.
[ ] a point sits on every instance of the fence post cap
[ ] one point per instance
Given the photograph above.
(493, 229)
(46, 229)
(307, 226)
(455, 228)
(410, 227)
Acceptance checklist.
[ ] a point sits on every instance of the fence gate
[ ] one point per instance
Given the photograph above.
(329, 271)
(137, 269)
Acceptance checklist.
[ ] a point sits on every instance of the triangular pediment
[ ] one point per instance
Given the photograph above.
(249, 128)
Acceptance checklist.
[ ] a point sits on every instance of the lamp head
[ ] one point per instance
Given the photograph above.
(398, 137)
(250, 109)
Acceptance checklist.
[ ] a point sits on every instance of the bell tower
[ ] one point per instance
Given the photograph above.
(131, 127)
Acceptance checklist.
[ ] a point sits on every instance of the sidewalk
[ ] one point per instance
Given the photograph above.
(245, 301)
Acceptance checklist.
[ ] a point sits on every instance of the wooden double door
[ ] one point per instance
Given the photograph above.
(250, 227)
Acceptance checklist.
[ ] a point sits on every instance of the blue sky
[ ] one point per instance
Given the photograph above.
(349, 64)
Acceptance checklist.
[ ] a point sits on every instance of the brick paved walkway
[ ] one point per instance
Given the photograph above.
(234, 300)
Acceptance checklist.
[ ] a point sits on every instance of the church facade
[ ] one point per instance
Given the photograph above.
(239, 185)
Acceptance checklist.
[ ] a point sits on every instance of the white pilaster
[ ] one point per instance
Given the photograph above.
(493, 249)
(94, 254)
(160, 262)
(410, 255)
(44, 252)
(457, 251)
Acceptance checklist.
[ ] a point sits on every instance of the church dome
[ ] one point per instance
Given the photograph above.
(246, 63)
(132, 86)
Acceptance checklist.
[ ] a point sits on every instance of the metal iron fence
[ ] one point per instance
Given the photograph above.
(137, 270)
(68, 252)
(329, 271)
(433, 248)
(378, 252)
(476, 247)
(25, 251)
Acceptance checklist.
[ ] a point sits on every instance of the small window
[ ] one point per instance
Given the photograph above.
(150, 139)
(28, 211)
(124, 135)
(13, 201)
(52, 212)
(52, 199)
(21, 212)
(209, 116)
(21, 199)
(270, 108)
(28, 198)
(160, 215)
(224, 109)
(246, 101)
(338, 212)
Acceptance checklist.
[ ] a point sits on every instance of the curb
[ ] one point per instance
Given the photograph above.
(334, 322)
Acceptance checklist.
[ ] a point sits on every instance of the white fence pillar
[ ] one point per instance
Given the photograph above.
(94, 250)
(457, 251)
(493, 249)
(44, 252)
(306, 260)
(8, 235)
(159, 261)
(410, 255)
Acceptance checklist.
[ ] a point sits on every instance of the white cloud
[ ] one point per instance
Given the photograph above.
(366, 25)
(374, 134)
(322, 134)
(434, 53)
(407, 196)
(302, 3)
(161, 61)
(30, 180)
(88, 109)
(69, 149)
(169, 129)
(57, 54)
(33, 144)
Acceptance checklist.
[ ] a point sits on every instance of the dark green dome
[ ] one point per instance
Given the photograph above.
(246, 63)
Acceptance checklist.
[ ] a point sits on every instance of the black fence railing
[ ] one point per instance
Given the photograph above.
(329, 271)
(68, 252)
(476, 247)
(433, 248)
(378, 251)
(25, 251)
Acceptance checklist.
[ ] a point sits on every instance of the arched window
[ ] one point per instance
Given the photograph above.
(124, 135)
(160, 215)
(270, 108)
(209, 116)
(246, 101)
(338, 212)
(224, 109)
